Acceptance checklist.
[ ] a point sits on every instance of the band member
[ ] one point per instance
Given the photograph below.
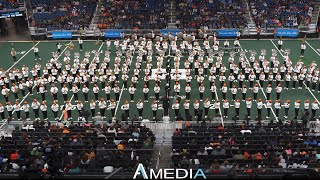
(154, 108)
(140, 108)
(277, 106)
(306, 105)
(116, 91)
(95, 90)
(35, 105)
(196, 106)
(132, 89)
(54, 91)
(280, 42)
(234, 92)
(303, 48)
(55, 109)
(93, 108)
(107, 90)
(36, 53)
(206, 105)
(80, 43)
(259, 107)
(255, 92)
(9, 109)
(43, 108)
(14, 89)
(17, 108)
(286, 108)
(186, 106)
(85, 91)
(226, 106)
(79, 108)
(188, 90)
(249, 106)
(75, 91)
(201, 91)
(278, 90)
(2, 112)
(175, 107)
(64, 91)
(59, 45)
(268, 106)
(224, 90)
(42, 91)
(145, 93)
(157, 91)
(314, 107)
(102, 106)
(237, 106)
(22, 87)
(112, 107)
(297, 108)
(125, 107)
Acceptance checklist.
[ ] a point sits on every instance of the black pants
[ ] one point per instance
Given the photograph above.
(268, 111)
(255, 95)
(18, 114)
(244, 96)
(65, 97)
(126, 112)
(302, 52)
(237, 111)
(296, 112)
(14, 58)
(36, 113)
(287, 84)
(2, 116)
(117, 96)
(23, 92)
(93, 112)
(157, 96)
(43, 96)
(268, 96)
(55, 96)
(140, 112)
(226, 111)
(80, 45)
(16, 95)
(36, 54)
(55, 114)
(85, 96)
(10, 113)
(279, 47)
(314, 111)
(201, 96)
(286, 111)
(44, 113)
(75, 96)
(224, 96)
(277, 112)
(108, 97)
(206, 111)
(188, 95)
(145, 96)
(249, 111)
(96, 96)
(154, 113)
(278, 95)
(102, 112)
(294, 84)
(113, 112)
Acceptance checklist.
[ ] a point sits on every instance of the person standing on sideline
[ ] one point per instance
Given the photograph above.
(280, 43)
(80, 43)
(303, 48)
(258, 32)
(59, 45)
(36, 53)
(14, 55)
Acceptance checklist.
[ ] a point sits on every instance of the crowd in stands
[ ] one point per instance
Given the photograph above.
(8, 4)
(65, 14)
(281, 13)
(211, 14)
(133, 14)
(47, 149)
(221, 149)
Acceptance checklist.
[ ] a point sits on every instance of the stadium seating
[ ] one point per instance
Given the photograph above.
(247, 147)
(272, 13)
(133, 14)
(63, 15)
(73, 145)
(212, 14)
(8, 4)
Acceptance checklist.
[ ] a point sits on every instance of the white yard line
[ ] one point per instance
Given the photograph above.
(21, 57)
(25, 97)
(313, 48)
(303, 81)
(274, 114)
(129, 64)
(73, 94)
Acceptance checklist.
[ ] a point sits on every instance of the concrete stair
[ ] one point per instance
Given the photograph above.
(172, 15)
(315, 13)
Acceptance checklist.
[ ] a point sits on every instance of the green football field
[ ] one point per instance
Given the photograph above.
(26, 57)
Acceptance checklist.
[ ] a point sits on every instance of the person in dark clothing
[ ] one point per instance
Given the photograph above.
(165, 104)
(199, 115)
(305, 119)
